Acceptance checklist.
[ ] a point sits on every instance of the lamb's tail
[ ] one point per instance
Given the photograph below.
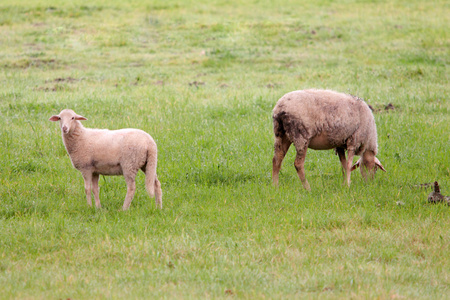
(152, 183)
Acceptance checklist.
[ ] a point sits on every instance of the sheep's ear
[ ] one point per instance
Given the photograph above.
(355, 166)
(80, 118)
(379, 165)
(54, 118)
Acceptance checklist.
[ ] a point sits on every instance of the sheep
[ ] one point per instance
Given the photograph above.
(322, 120)
(97, 152)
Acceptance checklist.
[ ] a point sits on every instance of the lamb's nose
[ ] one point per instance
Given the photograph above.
(65, 129)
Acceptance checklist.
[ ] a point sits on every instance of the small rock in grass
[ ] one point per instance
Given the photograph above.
(229, 292)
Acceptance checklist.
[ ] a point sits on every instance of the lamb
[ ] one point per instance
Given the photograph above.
(322, 120)
(96, 152)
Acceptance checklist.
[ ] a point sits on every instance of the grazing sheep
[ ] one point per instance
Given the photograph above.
(321, 120)
(97, 152)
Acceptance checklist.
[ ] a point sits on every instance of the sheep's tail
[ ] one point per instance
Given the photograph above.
(152, 183)
(278, 127)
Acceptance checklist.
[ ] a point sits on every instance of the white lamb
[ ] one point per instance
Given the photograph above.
(321, 120)
(97, 152)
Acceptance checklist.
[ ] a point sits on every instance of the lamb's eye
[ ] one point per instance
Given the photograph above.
(73, 118)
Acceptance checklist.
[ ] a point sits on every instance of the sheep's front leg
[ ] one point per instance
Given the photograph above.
(348, 166)
(87, 176)
(95, 189)
(299, 165)
(131, 189)
(341, 154)
(281, 146)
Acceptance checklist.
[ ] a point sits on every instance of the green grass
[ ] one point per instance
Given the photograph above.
(202, 78)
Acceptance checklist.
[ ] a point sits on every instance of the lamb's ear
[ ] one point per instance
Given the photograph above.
(80, 118)
(54, 118)
(356, 165)
(379, 165)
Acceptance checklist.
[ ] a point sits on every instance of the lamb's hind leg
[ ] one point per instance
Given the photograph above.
(153, 185)
(131, 189)
(158, 193)
(301, 147)
(281, 146)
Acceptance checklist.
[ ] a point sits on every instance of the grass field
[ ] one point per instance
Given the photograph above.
(202, 78)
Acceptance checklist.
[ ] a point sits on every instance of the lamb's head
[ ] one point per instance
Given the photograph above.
(68, 120)
(368, 164)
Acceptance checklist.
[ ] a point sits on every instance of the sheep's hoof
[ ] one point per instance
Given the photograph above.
(346, 184)
(306, 186)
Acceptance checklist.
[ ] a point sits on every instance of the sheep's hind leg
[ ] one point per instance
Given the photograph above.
(131, 189)
(95, 189)
(300, 162)
(281, 146)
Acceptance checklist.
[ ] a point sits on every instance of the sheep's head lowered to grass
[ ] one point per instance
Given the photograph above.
(321, 120)
(368, 165)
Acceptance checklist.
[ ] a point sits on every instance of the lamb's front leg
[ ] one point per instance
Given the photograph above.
(87, 176)
(95, 189)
